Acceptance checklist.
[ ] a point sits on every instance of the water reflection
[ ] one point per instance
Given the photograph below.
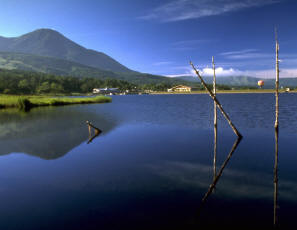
(97, 132)
(275, 182)
(217, 177)
(215, 125)
(48, 133)
(144, 168)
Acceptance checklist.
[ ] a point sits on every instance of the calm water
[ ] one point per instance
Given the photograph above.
(150, 167)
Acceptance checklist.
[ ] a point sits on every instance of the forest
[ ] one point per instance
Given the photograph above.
(24, 82)
(34, 83)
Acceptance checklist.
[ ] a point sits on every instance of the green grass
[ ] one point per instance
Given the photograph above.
(28, 102)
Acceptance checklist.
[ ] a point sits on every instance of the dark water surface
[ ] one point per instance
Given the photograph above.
(150, 167)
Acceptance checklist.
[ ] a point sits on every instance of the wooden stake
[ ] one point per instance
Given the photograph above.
(97, 132)
(216, 101)
(214, 120)
(276, 125)
(276, 81)
(89, 128)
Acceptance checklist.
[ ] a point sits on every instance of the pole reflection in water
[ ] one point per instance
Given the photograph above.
(215, 152)
(96, 134)
(217, 177)
(275, 182)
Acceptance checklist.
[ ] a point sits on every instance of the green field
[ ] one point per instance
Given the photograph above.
(27, 102)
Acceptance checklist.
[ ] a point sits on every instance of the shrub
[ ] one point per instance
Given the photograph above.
(6, 91)
(24, 104)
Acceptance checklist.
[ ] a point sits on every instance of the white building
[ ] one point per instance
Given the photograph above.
(106, 90)
(180, 88)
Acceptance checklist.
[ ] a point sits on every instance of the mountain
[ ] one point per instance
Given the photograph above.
(48, 51)
(50, 43)
(243, 81)
(231, 80)
(29, 62)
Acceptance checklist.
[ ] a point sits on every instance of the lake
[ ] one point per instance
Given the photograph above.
(151, 165)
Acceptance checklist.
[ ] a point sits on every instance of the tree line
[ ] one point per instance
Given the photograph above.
(24, 82)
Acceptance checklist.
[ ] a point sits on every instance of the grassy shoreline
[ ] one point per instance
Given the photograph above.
(28, 102)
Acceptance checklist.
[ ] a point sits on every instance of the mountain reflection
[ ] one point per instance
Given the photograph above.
(48, 133)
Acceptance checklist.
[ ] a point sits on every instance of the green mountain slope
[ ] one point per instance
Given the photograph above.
(46, 42)
(29, 62)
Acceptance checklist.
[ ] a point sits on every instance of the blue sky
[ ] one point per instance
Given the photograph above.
(161, 37)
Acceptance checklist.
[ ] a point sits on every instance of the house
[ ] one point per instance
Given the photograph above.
(180, 88)
(95, 90)
(106, 90)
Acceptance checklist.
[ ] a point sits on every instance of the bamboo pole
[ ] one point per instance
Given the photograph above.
(216, 101)
(276, 127)
(214, 120)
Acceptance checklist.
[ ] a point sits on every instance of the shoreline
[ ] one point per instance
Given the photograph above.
(223, 92)
(27, 102)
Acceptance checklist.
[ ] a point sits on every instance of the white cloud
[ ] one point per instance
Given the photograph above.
(179, 10)
(247, 54)
(221, 72)
(238, 52)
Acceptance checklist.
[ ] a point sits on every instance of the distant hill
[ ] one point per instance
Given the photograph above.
(47, 42)
(243, 81)
(232, 80)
